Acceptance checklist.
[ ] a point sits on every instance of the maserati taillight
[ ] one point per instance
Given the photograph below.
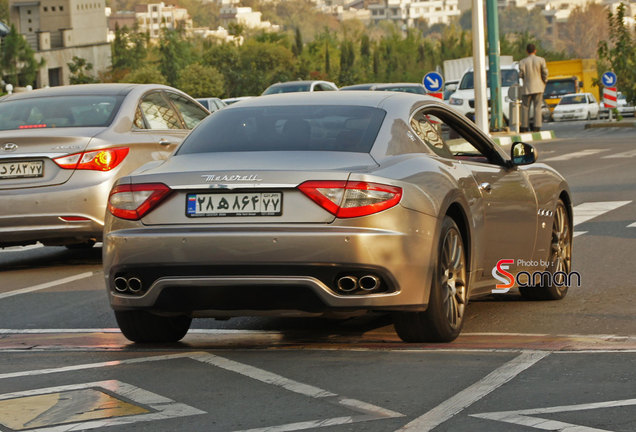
(347, 199)
(132, 202)
(96, 160)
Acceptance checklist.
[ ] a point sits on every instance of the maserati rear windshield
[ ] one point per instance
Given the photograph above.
(59, 111)
(287, 128)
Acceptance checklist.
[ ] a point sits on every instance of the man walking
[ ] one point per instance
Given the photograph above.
(534, 73)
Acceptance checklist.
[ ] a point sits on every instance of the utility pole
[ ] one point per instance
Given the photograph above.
(494, 72)
(479, 66)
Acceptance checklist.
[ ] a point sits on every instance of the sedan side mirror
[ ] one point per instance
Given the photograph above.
(523, 154)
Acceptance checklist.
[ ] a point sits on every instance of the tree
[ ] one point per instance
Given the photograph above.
(297, 48)
(174, 55)
(18, 62)
(201, 81)
(583, 31)
(80, 71)
(348, 73)
(521, 20)
(619, 53)
(129, 51)
(147, 74)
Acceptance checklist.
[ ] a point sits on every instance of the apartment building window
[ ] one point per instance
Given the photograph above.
(61, 8)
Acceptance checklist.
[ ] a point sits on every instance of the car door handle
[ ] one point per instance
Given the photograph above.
(485, 186)
(164, 142)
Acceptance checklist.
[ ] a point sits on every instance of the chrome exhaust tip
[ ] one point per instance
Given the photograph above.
(134, 285)
(121, 284)
(347, 283)
(369, 282)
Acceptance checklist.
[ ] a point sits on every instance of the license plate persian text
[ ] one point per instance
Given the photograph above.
(234, 204)
(21, 169)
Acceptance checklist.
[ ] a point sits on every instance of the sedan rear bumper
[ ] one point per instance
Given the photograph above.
(72, 212)
(218, 271)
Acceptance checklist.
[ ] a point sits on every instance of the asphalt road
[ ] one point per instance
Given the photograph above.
(518, 365)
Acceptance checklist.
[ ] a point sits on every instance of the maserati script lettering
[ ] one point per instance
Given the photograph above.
(236, 177)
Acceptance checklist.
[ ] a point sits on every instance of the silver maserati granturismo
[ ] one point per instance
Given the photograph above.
(61, 150)
(310, 204)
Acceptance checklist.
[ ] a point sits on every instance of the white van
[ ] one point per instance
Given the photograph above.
(463, 100)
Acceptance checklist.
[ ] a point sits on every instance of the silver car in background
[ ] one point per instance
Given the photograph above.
(61, 150)
(309, 204)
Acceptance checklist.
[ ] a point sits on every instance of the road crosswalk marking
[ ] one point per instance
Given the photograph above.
(590, 210)
(627, 154)
(527, 418)
(577, 155)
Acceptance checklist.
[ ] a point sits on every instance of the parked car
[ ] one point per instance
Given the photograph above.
(62, 148)
(212, 104)
(342, 202)
(300, 86)
(399, 87)
(367, 86)
(624, 108)
(450, 87)
(576, 106)
(233, 100)
(463, 100)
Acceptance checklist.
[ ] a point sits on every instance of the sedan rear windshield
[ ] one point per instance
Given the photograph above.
(287, 128)
(59, 111)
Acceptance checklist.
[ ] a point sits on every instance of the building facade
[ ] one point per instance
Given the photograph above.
(408, 12)
(151, 18)
(59, 30)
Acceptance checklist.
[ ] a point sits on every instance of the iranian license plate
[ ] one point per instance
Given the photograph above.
(21, 169)
(234, 204)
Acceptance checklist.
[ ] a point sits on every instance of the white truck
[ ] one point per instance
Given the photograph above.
(463, 100)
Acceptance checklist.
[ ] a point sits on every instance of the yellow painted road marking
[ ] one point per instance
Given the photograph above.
(63, 407)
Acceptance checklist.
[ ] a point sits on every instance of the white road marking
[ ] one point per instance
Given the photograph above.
(47, 285)
(526, 418)
(366, 411)
(576, 155)
(578, 233)
(632, 225)
(627, 154)
(21, 248)
(589, 210)
(164, 408)
(475, 392)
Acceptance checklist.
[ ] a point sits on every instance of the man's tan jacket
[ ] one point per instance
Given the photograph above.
(534, 73)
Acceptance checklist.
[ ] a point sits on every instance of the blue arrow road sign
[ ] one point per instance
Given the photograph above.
(609, 79)
(433, 82)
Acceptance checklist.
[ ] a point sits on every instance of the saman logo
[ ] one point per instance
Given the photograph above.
(525, 279)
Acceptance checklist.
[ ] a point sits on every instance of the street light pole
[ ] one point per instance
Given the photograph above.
(494, 73)
(479, 66)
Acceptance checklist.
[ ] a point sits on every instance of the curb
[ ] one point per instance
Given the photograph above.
(621, 124)
(524, 137)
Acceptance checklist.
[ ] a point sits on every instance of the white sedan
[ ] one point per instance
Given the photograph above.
(576, 106)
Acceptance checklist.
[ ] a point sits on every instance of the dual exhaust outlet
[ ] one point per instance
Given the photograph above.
(128, 285)
(365, 283)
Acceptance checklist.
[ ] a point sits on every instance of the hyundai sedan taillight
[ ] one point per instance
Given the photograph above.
(347, 199)
(97, 160)
(132, 202)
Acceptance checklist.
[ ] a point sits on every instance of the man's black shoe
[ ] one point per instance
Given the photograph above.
(523, 129)
(536, 129)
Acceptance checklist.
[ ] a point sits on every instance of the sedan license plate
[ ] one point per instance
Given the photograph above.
(234, 204)
(21, 169)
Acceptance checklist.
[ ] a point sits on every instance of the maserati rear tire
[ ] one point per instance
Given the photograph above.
(444, 318)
